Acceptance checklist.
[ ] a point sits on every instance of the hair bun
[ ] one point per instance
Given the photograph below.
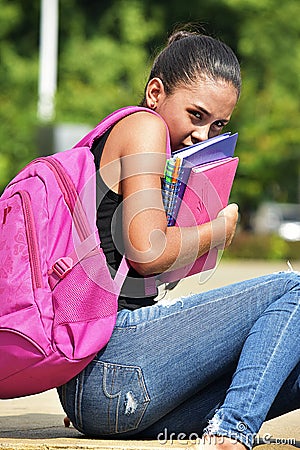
(179, 35)
(186, 30)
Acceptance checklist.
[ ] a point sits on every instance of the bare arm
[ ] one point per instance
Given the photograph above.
(150, 245)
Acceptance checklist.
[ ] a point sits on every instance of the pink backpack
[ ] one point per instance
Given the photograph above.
(58, 300)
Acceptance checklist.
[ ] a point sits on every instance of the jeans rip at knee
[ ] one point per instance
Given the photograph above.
(120, 402)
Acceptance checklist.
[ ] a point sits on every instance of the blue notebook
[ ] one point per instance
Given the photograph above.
(212, 149)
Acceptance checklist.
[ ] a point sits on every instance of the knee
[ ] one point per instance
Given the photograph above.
(292, 279)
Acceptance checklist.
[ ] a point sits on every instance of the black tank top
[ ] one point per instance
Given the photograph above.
(109, 224)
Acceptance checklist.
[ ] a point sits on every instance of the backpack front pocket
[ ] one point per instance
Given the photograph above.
(20, 269)
(22, 336)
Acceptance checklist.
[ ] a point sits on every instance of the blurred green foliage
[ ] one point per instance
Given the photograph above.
(247, 245)
(18, 81)
(105, 52)
(109, 68)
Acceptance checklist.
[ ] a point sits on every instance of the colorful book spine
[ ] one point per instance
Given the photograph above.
(171, 187)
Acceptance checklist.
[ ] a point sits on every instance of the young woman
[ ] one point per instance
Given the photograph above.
(215, 364)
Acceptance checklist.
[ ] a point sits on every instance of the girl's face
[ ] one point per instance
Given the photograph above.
(193, 113)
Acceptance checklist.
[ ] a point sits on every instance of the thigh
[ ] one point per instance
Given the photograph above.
(160, 356)
(188, 420)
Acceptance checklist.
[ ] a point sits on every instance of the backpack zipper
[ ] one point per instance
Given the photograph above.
(70, 195)
(33, 248)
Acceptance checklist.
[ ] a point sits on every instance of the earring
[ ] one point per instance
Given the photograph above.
(152, 105)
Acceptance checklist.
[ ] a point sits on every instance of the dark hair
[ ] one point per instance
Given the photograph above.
(189, 55)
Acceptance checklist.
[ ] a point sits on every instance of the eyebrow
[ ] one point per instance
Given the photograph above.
(200, 108)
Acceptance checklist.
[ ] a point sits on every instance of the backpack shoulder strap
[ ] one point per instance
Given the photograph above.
(111, 119)
(87, 141)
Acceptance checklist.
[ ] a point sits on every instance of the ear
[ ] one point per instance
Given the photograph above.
(154, 92)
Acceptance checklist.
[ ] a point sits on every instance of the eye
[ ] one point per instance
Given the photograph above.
(218, 125)
(197, 114)
(216, 128)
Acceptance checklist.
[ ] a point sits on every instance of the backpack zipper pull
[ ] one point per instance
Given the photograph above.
(5, 214)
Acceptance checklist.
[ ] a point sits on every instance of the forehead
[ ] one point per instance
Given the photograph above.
(210, 94)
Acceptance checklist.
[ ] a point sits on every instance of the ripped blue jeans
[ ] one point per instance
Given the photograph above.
(220, 363)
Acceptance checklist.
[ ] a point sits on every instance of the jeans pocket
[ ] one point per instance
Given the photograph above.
(111, 398)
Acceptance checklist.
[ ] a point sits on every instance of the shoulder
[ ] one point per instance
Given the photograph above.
(143, 118)
(141, 131)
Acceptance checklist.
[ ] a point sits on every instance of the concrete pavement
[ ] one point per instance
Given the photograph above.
(37, 422)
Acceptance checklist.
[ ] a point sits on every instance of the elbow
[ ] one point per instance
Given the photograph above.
(145, 269)
(150, 259)
(148, 263)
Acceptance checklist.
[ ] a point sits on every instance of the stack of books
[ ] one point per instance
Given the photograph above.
(197, 185)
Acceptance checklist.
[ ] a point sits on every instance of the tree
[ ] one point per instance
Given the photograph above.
(106, 69)
(18, 78)
(269, 48)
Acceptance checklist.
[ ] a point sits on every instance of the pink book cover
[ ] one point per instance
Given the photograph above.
(207, 192)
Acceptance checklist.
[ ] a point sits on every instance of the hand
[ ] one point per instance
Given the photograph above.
(225, 225)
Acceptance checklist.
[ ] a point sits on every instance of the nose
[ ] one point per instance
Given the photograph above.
(200, 134)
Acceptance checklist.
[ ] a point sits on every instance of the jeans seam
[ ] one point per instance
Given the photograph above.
(118, 401)
(108, 395)
(147, 397)
(125, 327)
(78, 397)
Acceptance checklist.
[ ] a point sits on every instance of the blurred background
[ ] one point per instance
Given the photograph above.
(104, 51)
